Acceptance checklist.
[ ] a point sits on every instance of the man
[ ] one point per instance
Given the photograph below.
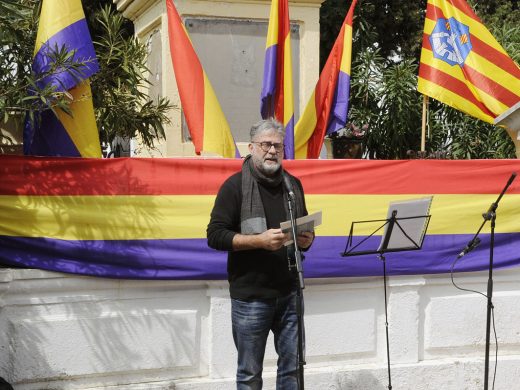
(245, 221)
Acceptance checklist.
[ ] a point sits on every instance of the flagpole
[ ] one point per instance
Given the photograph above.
(423, 127)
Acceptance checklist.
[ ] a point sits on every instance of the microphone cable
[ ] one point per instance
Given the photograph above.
(492, 315)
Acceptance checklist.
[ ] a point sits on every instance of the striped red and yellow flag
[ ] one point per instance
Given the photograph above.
(277, 98)
(207, 124)
(462, 64)
(326, 111)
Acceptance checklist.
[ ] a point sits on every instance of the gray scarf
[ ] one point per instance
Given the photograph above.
(252, 215)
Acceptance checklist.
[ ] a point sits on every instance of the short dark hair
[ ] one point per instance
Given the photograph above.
(266, 125)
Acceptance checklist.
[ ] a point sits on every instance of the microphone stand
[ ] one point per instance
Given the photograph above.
(299, 292)
(489, 215)
(384, 247)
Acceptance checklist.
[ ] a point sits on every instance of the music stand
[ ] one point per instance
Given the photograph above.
(411, 217)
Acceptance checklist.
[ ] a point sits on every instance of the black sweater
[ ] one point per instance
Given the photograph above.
(256, 273)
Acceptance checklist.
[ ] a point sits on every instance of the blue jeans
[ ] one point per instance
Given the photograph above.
(252, 320)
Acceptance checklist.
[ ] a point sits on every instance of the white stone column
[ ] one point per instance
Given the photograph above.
(222, 354)
(404, 318)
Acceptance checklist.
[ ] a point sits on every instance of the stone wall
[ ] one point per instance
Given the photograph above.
(71, 332)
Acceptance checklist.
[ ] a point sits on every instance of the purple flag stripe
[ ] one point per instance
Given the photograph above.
(289, 139)
(269, 83)
(75, 37)
(46, 140)
(126, 259)
(339, 109)
(192, 259)
(436, 256)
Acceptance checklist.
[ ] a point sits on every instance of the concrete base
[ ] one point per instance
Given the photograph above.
(68, 332)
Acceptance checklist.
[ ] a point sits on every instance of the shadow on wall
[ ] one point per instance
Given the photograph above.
(363, 380)
(105, 339)
(9, 342)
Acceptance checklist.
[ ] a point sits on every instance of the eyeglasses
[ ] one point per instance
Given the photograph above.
(266, 146)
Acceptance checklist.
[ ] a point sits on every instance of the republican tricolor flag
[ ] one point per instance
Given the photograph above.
(145, 218)
(54, 132)
(207, 124)
(277, 90)
(326, 111)
(462, 65)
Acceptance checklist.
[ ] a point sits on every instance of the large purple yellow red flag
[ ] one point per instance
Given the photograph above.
(56, 133)
(207, 124)
(326, 111)
(277, 98)
(146, 218)
(462, 65)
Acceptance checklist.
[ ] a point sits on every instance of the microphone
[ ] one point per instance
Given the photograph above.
(471, 245)
(288, 186)
(489, 214)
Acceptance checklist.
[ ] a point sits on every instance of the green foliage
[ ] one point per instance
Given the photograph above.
(18, 20)
(466, 137)
(121, 105)
(503, 24)
(366, 82)
(383, 96)
(395, 25)
(386, 49)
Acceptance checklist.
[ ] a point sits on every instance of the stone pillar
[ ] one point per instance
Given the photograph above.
(150, 21)
(222, 355)
(404, 327)
(511, 120)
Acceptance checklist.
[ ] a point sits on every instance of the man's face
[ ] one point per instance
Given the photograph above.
(267, 151)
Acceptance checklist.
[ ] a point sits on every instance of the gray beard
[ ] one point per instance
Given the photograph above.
(266, 169)
(269, 169)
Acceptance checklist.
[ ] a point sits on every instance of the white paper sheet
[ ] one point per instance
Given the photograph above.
(306, 223)
(415, 228)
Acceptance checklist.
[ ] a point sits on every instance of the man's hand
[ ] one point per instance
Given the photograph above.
(305, 239)
(273, 239)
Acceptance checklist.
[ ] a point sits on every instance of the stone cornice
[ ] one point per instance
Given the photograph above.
(133, 8)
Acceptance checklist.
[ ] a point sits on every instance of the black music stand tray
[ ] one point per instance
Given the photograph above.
(405, 229)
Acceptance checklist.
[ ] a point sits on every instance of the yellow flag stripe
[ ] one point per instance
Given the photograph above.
(186, 216)
(217, 133)
(346, 58)
(288, 106)
(450, 98)
(81, 126)
(305, 127)
(272, 29)
(55, 16)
